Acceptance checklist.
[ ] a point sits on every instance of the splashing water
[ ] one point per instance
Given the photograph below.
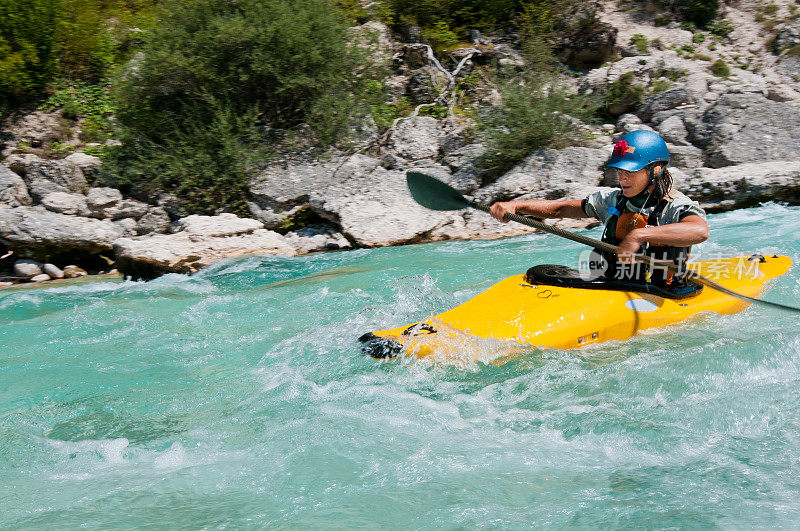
(239, 397)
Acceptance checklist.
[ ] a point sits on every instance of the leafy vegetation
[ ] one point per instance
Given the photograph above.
(90, 102)
(720, 28)
(446, 23)
(535, 114)
(28, 47)
(622, 94)
(702, 12)
(42, 41)
(215, 73)
(720, 69)
(640, 42)
(203, 161)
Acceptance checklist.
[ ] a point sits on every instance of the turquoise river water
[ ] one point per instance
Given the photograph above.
(238, 397)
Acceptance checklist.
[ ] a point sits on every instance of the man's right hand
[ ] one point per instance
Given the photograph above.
(500, 209)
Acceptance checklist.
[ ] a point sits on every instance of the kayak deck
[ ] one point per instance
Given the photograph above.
(519, 313)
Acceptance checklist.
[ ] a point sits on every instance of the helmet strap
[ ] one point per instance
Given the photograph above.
(651, 171)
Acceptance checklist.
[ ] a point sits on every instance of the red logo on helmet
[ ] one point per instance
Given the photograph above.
(621, 148)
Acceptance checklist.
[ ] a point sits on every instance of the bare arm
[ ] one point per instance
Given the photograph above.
(541, 208)
(689, 231)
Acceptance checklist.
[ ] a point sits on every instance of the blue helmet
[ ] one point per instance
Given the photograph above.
(637, 149)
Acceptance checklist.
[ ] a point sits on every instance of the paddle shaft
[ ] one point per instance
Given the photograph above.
(650, 261)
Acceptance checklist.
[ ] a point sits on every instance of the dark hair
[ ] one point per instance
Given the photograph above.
(662, 181)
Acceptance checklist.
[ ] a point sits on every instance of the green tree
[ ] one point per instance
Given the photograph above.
(275, 64)
(28, 46)
(86, 46)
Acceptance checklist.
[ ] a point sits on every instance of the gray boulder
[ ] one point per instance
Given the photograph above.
(661, 116)
(66, 203)
(549, 174)
(674, 131)
(457, 132)
(687, 157)
(787, 37)
(789, 65)
(37, 128)
(588, 46)
(663, 101)
(127, 208)
(154, 220)
(375, 209)
(73, 271)
(745, 185)
(743, 128)
(376, 38)
(416, 138)
(127, 225)
(13, 191)
(88, 164)
(282, 191)
(107, 203)
(172, 205)
(47, 176)
(186, 252)
(221, 225)
(645, 69)
(421, 87)
(314, 239)
(101, 198)
(18, 163)
(53, 271)
(27, 268)
(474, 224)
(464, 156)
(629, 122)
(34, 232)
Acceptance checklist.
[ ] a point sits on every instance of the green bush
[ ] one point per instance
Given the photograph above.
(204, 162)
(280, 64)
(46, 40)
(660, 85)
(28, 45)
(86, 46)
(90, 101)
(662, 19)
(451, 20)
(71, 111)
(698, 37)
(622, 94)
(458, 15)
(440, 36)
(720, 69)
(702, 12)
(640, 42)
(534, 115)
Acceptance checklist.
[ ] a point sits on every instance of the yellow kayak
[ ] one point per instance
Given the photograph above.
(518, 313)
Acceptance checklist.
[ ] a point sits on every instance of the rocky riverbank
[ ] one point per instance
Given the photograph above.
(733, 139)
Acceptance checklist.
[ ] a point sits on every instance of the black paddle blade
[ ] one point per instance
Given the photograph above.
(433, 193)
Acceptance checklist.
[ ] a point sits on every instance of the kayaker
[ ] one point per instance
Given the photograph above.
(644, 215)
